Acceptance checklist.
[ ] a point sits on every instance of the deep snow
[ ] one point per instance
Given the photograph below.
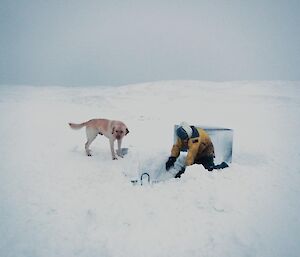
(56, 201)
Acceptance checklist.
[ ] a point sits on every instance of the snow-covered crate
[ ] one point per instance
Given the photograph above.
(222, 139)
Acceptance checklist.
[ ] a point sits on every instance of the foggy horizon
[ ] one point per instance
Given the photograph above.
(117, 43)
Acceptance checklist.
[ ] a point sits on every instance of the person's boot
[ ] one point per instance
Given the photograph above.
(223, 165)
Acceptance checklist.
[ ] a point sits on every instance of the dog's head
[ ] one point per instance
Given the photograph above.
(119, 131)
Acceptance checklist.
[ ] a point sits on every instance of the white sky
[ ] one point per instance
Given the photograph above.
(120, 42)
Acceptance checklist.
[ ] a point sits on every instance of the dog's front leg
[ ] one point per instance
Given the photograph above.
(119, 152)
(113, 155)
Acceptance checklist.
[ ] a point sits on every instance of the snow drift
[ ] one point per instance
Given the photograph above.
(56, 201)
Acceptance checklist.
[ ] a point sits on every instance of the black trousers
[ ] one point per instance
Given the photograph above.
(207, 162)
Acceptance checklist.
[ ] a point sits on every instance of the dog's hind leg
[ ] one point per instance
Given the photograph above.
(91, 134)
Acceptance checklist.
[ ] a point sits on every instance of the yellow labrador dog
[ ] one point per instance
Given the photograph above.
(112, 129)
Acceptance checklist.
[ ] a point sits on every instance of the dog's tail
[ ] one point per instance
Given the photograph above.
(77, 126)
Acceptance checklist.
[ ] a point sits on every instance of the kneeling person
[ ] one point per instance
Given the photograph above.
(200, 149)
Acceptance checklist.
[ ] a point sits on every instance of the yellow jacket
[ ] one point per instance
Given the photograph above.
(199, 145)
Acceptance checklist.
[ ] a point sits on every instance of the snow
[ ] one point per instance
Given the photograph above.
(56, 201)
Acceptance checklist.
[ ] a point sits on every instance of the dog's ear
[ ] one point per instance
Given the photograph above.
(127, 131)
(113, 130)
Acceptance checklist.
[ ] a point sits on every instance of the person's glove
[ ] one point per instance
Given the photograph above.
(182, 170)
(170, 162)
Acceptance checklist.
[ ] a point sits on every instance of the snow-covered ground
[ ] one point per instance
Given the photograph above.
(55, 201)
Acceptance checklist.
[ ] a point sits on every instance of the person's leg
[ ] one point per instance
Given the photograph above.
(207, 162)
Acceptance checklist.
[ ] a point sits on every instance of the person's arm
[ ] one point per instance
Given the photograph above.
(175, 152)
(192, 152)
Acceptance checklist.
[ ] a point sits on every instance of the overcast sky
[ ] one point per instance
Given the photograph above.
(89, 42)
